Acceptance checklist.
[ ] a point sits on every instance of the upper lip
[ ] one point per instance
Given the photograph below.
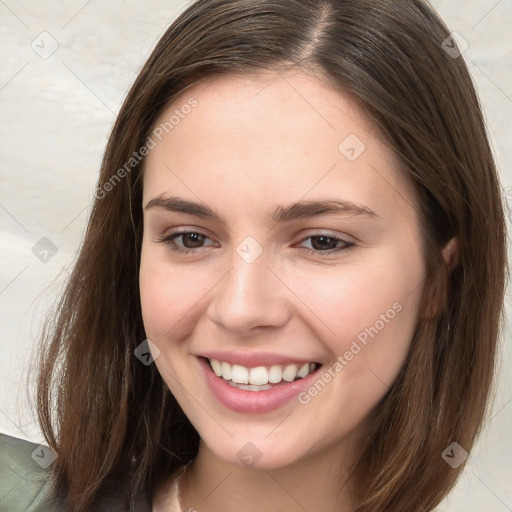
(254, 359)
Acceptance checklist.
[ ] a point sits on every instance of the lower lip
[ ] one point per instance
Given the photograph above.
(241, 400)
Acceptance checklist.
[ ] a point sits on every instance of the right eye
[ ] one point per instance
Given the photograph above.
(184, 241)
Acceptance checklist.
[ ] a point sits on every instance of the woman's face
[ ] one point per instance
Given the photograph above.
(303, 247)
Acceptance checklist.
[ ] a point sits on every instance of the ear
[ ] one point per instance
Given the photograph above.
(451, 254)
(438, 293)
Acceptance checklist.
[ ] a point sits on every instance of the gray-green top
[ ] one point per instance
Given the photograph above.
(25, 484)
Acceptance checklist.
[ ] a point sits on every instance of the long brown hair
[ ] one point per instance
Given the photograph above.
(112, 419)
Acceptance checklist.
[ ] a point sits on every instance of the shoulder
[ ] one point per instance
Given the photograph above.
(25, 483)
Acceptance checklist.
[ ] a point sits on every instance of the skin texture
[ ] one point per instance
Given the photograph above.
(251, 144)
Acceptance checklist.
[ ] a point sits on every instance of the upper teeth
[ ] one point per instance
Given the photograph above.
(260, 375)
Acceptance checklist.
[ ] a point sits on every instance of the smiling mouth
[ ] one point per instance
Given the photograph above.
(260, 378)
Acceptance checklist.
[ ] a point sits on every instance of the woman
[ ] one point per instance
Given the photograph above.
(282, 300)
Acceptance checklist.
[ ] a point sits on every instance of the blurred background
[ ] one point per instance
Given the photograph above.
(66, 68)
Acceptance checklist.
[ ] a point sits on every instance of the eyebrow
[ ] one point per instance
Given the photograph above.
(298, 210)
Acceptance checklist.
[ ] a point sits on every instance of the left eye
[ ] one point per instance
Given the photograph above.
(324, 243)
(191, 240)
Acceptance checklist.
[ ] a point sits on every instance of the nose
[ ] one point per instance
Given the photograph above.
(250, 296)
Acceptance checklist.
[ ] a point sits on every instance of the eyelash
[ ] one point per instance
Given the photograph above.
(168, 240)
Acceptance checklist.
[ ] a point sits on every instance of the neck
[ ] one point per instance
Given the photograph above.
(318, 482)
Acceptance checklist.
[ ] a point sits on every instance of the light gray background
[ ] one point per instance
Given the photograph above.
(56, 113)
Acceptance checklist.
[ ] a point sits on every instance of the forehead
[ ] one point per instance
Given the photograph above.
(273, 136)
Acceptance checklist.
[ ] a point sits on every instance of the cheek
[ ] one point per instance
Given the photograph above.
(167, 300)
(171, 296)
(155, 301)
(371, 313)
(168, 296)
(367, 313)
